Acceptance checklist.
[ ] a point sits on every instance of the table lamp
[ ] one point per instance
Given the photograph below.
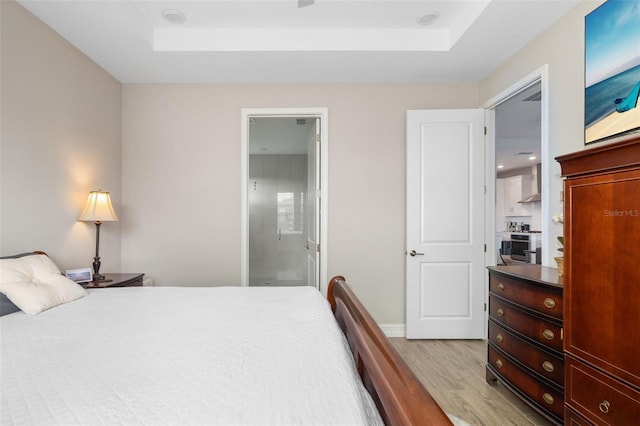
(98, 209)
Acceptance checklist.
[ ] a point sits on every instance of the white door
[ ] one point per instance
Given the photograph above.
(313, 205)
(445, 224)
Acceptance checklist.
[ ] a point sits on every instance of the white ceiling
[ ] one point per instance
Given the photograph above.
(268, 41)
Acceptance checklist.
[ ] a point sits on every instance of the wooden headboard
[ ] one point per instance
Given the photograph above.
(399, 395)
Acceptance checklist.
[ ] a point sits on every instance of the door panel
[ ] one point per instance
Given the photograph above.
(449, 224)
(445, 224)
(439, 301)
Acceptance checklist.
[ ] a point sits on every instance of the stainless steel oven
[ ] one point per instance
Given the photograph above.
(519, 247)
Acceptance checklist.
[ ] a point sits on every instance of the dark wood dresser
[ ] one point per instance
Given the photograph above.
(602, 284)
(117, 280)
(525, 336)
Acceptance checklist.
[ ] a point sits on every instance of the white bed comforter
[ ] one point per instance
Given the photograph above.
(181, 356)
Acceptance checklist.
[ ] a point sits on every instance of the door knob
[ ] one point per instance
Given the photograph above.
(415, 253)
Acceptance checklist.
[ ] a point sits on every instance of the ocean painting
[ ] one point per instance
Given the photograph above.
(612, 70)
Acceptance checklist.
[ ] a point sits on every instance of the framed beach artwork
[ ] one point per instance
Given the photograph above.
(612, 70)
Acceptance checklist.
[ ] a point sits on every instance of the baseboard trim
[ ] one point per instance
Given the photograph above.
(393, 330)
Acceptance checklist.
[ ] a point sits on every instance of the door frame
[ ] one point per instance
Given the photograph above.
(313, 112)
(540, 75)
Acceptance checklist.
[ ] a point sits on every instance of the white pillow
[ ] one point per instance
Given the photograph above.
(34, 283)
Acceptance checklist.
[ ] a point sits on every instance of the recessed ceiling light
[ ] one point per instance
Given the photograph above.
(533, 157)
(429, 18)
(173, 16)
(500, 166)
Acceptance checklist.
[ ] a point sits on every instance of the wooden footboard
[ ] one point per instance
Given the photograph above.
(400, 397)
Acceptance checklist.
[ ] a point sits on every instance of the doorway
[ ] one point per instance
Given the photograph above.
(284, 197)
(518, 127)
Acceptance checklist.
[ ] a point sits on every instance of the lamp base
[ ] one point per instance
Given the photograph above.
(97, 276)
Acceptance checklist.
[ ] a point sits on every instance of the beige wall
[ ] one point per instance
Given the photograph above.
(562, 48)
(181, 179)
(60, 138)
(177, 187)
(192, 135)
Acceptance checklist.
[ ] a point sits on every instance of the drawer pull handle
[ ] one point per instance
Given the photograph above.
(548, 334)
(604, 406)
(500, 312)
(549, 303)
(499, 338)
(548, 367)
(500, 286)
(499, 363)
(548, 398)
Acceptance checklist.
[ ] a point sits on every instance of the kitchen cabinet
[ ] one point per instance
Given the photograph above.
(601, 276)
(512, 189)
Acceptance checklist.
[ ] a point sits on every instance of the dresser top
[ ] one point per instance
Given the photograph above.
(536, 273)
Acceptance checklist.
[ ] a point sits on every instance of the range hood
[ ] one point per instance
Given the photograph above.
(536, 197)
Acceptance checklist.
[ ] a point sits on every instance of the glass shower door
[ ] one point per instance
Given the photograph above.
(277, 230)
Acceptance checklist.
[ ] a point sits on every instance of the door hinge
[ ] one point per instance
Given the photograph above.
(485, 190)
(485, 307)
(485, 247)
(318, 137)
(485, 130)
(318, 247)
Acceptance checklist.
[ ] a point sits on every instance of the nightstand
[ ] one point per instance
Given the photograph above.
(117, 280)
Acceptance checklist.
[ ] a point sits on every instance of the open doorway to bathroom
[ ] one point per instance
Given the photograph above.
(283, 199)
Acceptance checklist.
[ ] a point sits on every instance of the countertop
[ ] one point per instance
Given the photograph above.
(536, 273)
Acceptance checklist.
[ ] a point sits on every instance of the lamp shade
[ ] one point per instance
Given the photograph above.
(98, 208)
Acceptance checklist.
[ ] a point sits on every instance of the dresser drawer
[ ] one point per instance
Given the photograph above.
(600, 398)
(571, 418)
(546, 365)
(542, 331)
(541, 299)
(538, 392)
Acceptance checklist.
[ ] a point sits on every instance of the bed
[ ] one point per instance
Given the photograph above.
(200, 356)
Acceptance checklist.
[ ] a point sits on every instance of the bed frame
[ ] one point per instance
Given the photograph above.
(399, 395)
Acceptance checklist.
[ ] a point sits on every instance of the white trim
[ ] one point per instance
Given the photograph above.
(246, 113)
(540, 75)
(489, 205)
(394, 330)
(202, 39)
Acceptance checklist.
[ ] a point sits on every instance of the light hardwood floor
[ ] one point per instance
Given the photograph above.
(454, 373)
